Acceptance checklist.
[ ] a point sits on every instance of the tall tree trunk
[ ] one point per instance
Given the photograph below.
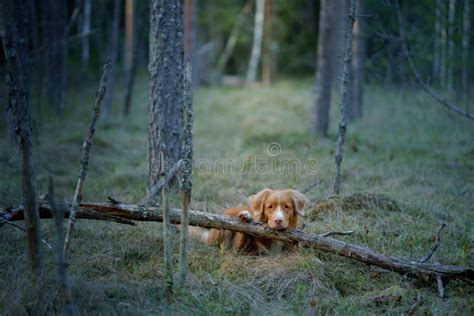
(359, 52)
(15, 50)
(257, 43)
(346, 85)
(451, 60)
(54, 37)
(437, 42)
(132, 70)
(267, 60)
(443, 43)
(166, 85)
(86, 27)
(466, 29)
(113, 53)
(129, 33)
(320, 117)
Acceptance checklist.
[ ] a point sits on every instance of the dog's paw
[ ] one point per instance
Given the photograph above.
(245, 216)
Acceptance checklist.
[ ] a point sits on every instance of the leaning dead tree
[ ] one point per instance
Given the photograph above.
(346, 86)
(426, 271)
(442, 100)
(20, 108)
(86, 148)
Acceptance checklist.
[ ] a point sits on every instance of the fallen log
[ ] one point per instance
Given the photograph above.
(127, 213)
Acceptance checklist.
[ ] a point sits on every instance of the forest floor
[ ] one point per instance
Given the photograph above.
(406, 146)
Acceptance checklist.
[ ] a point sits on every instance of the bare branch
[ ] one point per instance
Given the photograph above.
(85, 154)
(2, 221)
(332, 233)
(435, 245)
(424, 85)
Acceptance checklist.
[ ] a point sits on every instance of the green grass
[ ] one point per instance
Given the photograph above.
(406, 146)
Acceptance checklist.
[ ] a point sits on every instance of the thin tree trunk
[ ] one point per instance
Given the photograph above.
(166, 85)
(320, 117)
(267, 60)
(437, 42)
(14, 46)
(55, 41)
(257, 43)
(186, 172)
(424, 271)
(443, 43)
(231, 41)
(466, 29)
(451, 60)
(129, 33)
(86, 27)
(113, 53)
(132, 70)
(346, 84)
(359, 52)
(65, 286)
(85, 154)
(339, 13)
(166, 230)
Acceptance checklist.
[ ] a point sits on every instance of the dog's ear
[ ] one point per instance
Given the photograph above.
(257, 204)
(299, 202)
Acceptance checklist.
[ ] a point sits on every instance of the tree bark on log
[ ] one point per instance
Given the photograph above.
(325, 244)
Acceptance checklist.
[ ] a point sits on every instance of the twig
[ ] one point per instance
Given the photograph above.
(415, 305)
(166, 233)
(161, 183)
(424, 85)
(66, 296)
(435, 245)
(85, 154)
(439, 281)
(2, 221)
(312, 185)
(332, 233)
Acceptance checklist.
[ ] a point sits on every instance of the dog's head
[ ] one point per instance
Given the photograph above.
(280, 209)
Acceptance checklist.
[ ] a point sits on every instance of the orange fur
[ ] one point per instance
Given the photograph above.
(279, 209)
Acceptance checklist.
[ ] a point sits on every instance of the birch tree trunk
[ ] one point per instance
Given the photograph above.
(86, 27)
(166, 86)
(359, 52)
(113, 53)
(14, 46)
(466, 29)
(450, 59)
(346, 84)
(320, 117)
(257, 43)
(267, 57)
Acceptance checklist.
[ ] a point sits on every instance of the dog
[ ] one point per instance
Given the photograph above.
(278, 209)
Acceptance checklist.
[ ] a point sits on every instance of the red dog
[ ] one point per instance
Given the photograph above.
(279, 209)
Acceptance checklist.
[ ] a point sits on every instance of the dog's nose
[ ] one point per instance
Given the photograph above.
(277, 221)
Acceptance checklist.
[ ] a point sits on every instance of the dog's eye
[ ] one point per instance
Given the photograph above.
(270, 206)
(287, 206)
